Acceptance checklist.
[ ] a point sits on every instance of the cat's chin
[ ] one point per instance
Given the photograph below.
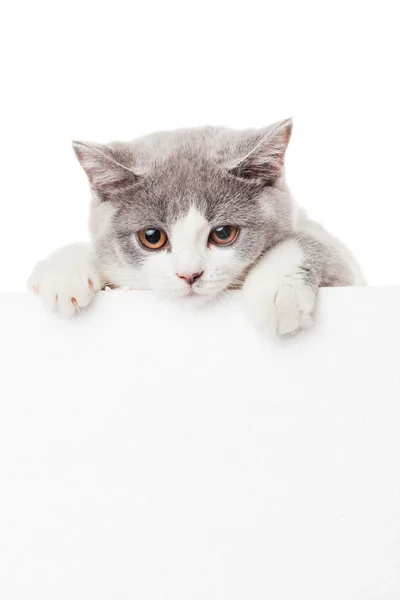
(190, 299)
(195, 301)
(198, 299)
(193, 297)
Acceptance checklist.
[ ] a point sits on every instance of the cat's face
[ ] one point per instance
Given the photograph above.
(187, 213)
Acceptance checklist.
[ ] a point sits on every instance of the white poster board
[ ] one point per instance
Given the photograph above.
(151, 453)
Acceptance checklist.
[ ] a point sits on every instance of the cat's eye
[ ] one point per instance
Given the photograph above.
(223, 235)
(153, 239)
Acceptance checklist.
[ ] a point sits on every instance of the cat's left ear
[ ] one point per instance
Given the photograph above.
(108, 167)
(264, 156)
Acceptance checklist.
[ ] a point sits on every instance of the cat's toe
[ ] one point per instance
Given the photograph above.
(293, 307)
(282, 308)
(67, 280)
(74, 297)
(64, 293)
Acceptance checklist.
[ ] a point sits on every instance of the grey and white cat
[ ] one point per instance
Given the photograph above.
(191, 213)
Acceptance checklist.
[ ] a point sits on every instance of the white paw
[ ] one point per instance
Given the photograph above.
(67, 280)
(283, 307)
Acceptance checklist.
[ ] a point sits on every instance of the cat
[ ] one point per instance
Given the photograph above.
(192, 213)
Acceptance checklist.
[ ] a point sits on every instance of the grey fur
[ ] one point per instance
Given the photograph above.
(232, 177)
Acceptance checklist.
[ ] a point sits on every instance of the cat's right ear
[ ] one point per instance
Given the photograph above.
(108, 167)
(264, 155)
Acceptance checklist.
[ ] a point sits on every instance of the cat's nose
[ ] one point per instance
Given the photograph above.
(190, 277)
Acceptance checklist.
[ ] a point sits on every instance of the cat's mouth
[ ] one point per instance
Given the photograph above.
(191, 293)
(196, 294)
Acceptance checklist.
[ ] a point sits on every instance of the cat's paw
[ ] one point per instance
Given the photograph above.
(67, 280)
(283, 307)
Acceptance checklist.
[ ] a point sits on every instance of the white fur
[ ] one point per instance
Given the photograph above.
(188, 239)
(101, 217)
(190, 253)
(275, 292)
(62, 280)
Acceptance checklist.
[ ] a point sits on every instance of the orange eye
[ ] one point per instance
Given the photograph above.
(223, 235)
(153, 239)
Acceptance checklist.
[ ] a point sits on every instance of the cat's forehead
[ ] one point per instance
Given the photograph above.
(186, 177)
(189, 230)
(177, 186)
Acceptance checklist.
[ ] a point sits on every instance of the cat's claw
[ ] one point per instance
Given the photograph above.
(67, 280)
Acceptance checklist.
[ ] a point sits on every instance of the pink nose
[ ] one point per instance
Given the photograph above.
(190, 277)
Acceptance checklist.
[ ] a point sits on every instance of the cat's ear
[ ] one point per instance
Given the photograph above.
(264, 155)
(108, 167)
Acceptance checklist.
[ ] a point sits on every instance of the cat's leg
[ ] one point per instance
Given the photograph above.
(68, 279)
(280, 291)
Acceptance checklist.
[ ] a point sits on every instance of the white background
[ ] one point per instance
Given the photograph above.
(115, 70)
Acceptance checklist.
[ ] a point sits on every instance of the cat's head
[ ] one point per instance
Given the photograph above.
(186, 213)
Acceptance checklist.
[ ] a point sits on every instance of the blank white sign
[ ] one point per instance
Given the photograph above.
(153, 453)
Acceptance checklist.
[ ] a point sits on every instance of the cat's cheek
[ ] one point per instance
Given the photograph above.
(226, 262)
(221, 270)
